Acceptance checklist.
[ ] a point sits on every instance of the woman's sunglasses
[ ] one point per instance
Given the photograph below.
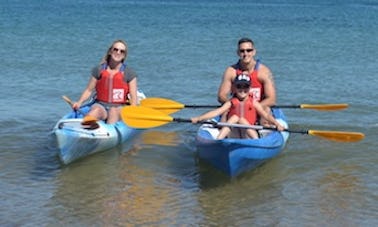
(118, 50)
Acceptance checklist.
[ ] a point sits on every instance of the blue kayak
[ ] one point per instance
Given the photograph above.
(235, 156)
(76, 141)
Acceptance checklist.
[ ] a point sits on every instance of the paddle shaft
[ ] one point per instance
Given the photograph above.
(301, 106)
(216, 106)
(169, 106)
(338, 136)
(69, 101)
(202, 106)
(257, 127)
(288, 106)
(224, 124)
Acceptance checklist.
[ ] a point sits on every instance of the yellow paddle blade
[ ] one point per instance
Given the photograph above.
(166, 106)
(325, 107)
(144, 117)
(338, 136)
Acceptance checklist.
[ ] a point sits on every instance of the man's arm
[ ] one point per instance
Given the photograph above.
(226, 84)
(266, 77)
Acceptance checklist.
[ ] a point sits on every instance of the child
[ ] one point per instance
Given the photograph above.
(242, 109)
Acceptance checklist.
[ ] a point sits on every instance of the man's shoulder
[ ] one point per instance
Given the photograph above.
(229, 74)
(264, 70)
(235, 66)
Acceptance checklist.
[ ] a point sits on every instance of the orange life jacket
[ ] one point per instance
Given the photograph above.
(244, 109)
(112, 88)
(257, 89)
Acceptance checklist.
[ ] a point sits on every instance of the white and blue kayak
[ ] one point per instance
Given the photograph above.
(76, 141)
(234, 156)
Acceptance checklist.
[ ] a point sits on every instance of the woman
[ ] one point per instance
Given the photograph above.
(115, 84)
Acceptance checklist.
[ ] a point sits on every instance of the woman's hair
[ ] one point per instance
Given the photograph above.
(106, 57)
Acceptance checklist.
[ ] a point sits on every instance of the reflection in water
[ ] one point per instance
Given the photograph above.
(138, 186)
(155, 185)
(162, 138)
(243, 198)
(144, 196)
(135, 199)
(339, 193)
(46, 160)
(210, 177)
(81, 187)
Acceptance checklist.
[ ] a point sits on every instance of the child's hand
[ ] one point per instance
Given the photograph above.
(195, 120)
(280, 127)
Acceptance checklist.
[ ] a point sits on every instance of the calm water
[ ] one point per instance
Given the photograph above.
(319, 52)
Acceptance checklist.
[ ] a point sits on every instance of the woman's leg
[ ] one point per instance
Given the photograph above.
(113, 115)
(98, 111)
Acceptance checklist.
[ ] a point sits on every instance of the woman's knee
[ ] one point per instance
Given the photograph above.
(98, 111)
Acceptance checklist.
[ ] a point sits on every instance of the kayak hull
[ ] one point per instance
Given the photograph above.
(75, 141)
(235, 156)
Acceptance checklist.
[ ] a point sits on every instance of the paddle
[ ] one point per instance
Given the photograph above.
(144, 117)
(92, 124)
(69, 101)
(170, 106)
(338, 136)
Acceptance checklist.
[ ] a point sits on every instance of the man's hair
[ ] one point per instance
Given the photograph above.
(245, 40)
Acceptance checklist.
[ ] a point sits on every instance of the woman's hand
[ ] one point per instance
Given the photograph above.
(76, 106)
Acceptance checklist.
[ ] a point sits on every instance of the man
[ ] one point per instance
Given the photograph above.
(262, 83)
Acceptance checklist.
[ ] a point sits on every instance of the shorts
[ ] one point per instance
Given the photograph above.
(107, 106)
